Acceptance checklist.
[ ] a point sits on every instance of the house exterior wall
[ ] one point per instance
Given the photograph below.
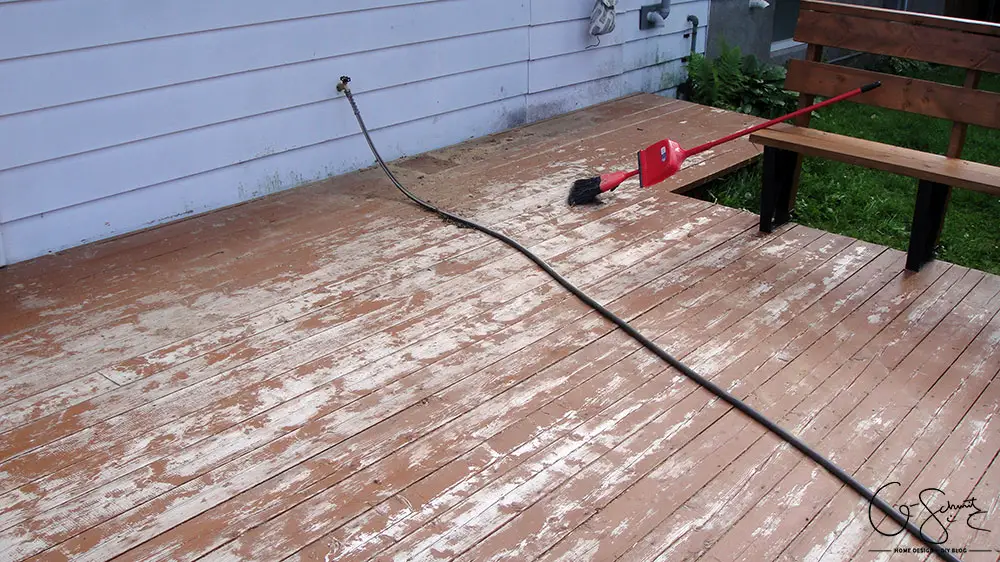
(734, 22)
(116, 115)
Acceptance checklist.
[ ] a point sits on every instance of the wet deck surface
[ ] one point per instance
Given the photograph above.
(333, 374)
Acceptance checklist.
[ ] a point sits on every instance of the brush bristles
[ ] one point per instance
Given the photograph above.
(584, 192)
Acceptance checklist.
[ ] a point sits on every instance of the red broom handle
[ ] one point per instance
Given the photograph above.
(777, 120)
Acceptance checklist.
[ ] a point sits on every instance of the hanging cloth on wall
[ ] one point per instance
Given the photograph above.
(602, 18)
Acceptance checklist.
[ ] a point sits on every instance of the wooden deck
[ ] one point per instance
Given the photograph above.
(333, 374)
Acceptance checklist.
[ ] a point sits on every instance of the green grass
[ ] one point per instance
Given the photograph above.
(878, 206)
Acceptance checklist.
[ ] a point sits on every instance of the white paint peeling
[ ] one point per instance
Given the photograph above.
(760, 288)
(994, 338)
(358, 541)
(867, 424)
(798, 492)
(581, 550)
(979, 427)
(876, 316)
(767, 527)
(776, 249)
(676, 468)
(697, 159)
(815, 553)
(851, 533)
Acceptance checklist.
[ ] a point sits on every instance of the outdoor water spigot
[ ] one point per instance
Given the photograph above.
(693, 19)
(654, 15)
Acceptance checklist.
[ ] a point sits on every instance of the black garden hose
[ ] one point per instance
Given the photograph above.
(650, 345)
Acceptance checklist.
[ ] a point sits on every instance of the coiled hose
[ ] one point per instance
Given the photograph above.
(650, 345)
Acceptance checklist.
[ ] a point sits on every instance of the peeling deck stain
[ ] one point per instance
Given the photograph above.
(353, 384)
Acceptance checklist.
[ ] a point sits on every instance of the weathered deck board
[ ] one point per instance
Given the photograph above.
(334, 374)
(793, 373)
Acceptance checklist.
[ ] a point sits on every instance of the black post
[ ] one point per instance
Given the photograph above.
(775, 194)
(928, 218)
(787, 161)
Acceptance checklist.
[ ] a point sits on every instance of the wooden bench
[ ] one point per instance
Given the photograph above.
(972, 45)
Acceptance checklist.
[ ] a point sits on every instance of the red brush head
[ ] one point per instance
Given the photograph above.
(659, 161)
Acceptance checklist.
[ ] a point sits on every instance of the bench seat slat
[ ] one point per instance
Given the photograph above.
(905, 161)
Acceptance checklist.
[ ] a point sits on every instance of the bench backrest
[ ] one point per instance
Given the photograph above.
(968, 44)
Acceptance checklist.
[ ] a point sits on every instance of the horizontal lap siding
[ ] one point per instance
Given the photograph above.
(119, 21)
(123, 114)
(565, 75)
(156, 112)
(149, 162)
(73, 76)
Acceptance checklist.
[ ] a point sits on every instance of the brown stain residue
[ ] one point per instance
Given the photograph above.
(323, 363)
(454, 268)
(159, 473)
(237, 353)
(45, 430)
(264, 517)
(138, 365)
(51, 556)
(317, 322)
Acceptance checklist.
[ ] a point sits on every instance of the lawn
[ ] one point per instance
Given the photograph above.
(878, 206)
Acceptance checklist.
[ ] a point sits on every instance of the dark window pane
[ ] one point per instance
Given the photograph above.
(786, 12)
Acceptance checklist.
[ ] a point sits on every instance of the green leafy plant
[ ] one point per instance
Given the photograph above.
(739, 83)
(899, 66)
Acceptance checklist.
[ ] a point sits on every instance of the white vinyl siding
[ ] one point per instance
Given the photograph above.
(120, 114)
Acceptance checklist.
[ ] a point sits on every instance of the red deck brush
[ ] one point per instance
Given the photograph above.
(659, 161)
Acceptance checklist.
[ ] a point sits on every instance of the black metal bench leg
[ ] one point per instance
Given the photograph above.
(787, 164)
(779, 173)
(928, 218)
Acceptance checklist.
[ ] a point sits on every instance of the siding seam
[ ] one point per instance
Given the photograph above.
(214, 29)
(243, 162)
(527, 63)
(610, 76)
(259, 69)
(270, 112)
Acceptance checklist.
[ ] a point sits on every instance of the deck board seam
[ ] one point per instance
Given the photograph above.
(720, 223)
(482, 539)
(704, 251)
(618, 362)
(499, 257)
(679, 220)
(888, 375)
(471, 170)
(109, 379)
(702, 410)
(995, 316)
(747, 421)
(780, 446)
